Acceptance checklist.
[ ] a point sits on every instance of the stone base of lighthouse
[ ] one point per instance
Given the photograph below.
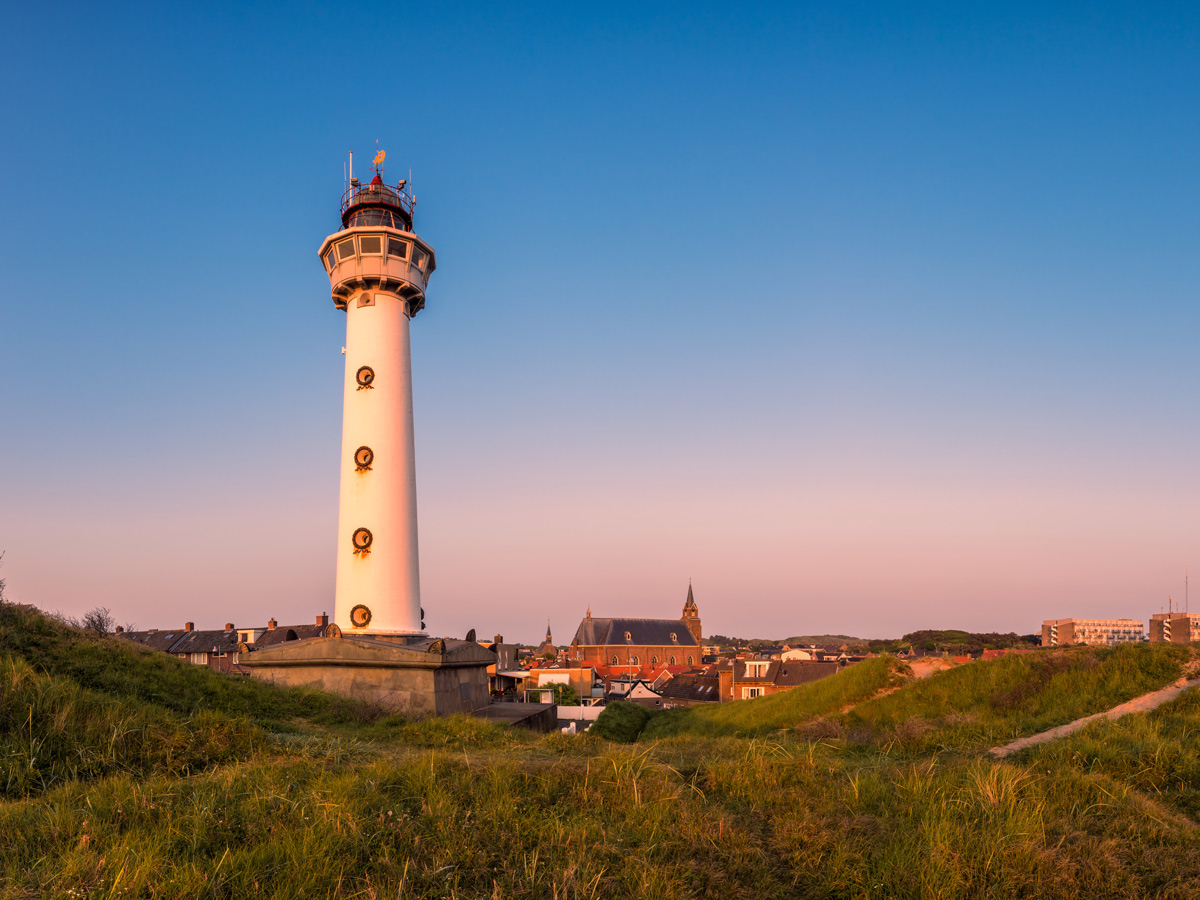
(425, 677)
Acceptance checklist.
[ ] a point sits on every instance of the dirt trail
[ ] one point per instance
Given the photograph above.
(1144, 703)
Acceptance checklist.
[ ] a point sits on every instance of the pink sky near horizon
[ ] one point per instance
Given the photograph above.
(824, 549)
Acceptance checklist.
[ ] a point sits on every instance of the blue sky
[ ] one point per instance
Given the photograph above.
(865, 318)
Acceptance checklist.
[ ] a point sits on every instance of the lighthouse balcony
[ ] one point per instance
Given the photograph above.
(378, 259)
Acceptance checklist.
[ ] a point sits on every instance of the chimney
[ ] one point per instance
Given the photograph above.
(120, 629)
(499, 639)
(228, 627)
(323, 619)
(189, 626)
(271, 623)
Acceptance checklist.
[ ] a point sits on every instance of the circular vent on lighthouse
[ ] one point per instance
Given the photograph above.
(365, 376)
(360, 616)
(363, 457)
(362, 540)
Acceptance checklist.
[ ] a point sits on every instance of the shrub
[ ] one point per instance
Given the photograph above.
(621, 721)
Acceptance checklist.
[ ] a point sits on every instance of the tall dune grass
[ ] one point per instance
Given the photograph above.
(763, 715)
(135, 798)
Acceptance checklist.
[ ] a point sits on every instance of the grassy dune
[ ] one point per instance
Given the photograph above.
(764, 715)
(988, 703)
(292, 798)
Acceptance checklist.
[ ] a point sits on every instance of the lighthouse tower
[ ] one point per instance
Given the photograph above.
(378, 269)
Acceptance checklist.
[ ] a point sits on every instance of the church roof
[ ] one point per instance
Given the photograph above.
(641, 631)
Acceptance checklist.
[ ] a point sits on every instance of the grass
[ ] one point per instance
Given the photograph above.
(127, 671)
(389, 807)
(988, 703)
(765, 715)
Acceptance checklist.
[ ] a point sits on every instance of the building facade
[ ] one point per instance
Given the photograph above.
(639, 642)
(1175, 627)
(1060, 632)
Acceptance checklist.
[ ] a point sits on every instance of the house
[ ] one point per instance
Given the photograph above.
(635, 691)
(219, 648)
(690, 690)
(745, 679)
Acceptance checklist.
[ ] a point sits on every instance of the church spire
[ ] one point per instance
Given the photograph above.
(689, 606)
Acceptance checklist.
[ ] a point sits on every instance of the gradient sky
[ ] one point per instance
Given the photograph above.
(865, 318)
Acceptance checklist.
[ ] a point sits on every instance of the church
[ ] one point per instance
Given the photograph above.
(639, 642)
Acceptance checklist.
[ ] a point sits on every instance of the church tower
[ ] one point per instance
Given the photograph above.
(691, 615)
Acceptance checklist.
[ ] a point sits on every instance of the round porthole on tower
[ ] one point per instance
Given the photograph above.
(361, 539)
(360, 616)
(365, 376)
(363, 457)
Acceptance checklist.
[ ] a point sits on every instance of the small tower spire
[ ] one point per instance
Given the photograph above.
(691, 613)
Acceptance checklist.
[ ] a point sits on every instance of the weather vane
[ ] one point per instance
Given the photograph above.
(379, 155)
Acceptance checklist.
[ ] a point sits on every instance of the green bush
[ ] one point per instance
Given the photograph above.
(621, 721)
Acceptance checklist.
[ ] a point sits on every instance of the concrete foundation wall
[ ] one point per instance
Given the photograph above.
(406, 679)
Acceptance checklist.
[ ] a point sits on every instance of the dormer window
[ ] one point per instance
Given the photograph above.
(674, 638)
(628, 636)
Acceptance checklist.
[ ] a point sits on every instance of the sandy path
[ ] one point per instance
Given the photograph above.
(1144, 703)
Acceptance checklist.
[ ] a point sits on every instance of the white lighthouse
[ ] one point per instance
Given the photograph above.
(378, 269)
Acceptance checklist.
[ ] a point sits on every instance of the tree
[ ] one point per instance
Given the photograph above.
(564, 695)
(98, 621)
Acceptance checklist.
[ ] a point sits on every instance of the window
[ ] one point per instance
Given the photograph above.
(674, 637)
(654, 660)
(199, 659)
(672, 660)
(419, 257)
(370, 243)
(614, 660)
(330, 260)
(690, 661)
(749, 693)
(397, 248)
(345, 249)
(633, 661)
(628, 636)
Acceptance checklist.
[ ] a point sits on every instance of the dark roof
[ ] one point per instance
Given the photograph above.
(692, 687)
(156, 639)
(794, 671)
(789, 673)
(656, 632)
(279, 634)
(204, 641)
